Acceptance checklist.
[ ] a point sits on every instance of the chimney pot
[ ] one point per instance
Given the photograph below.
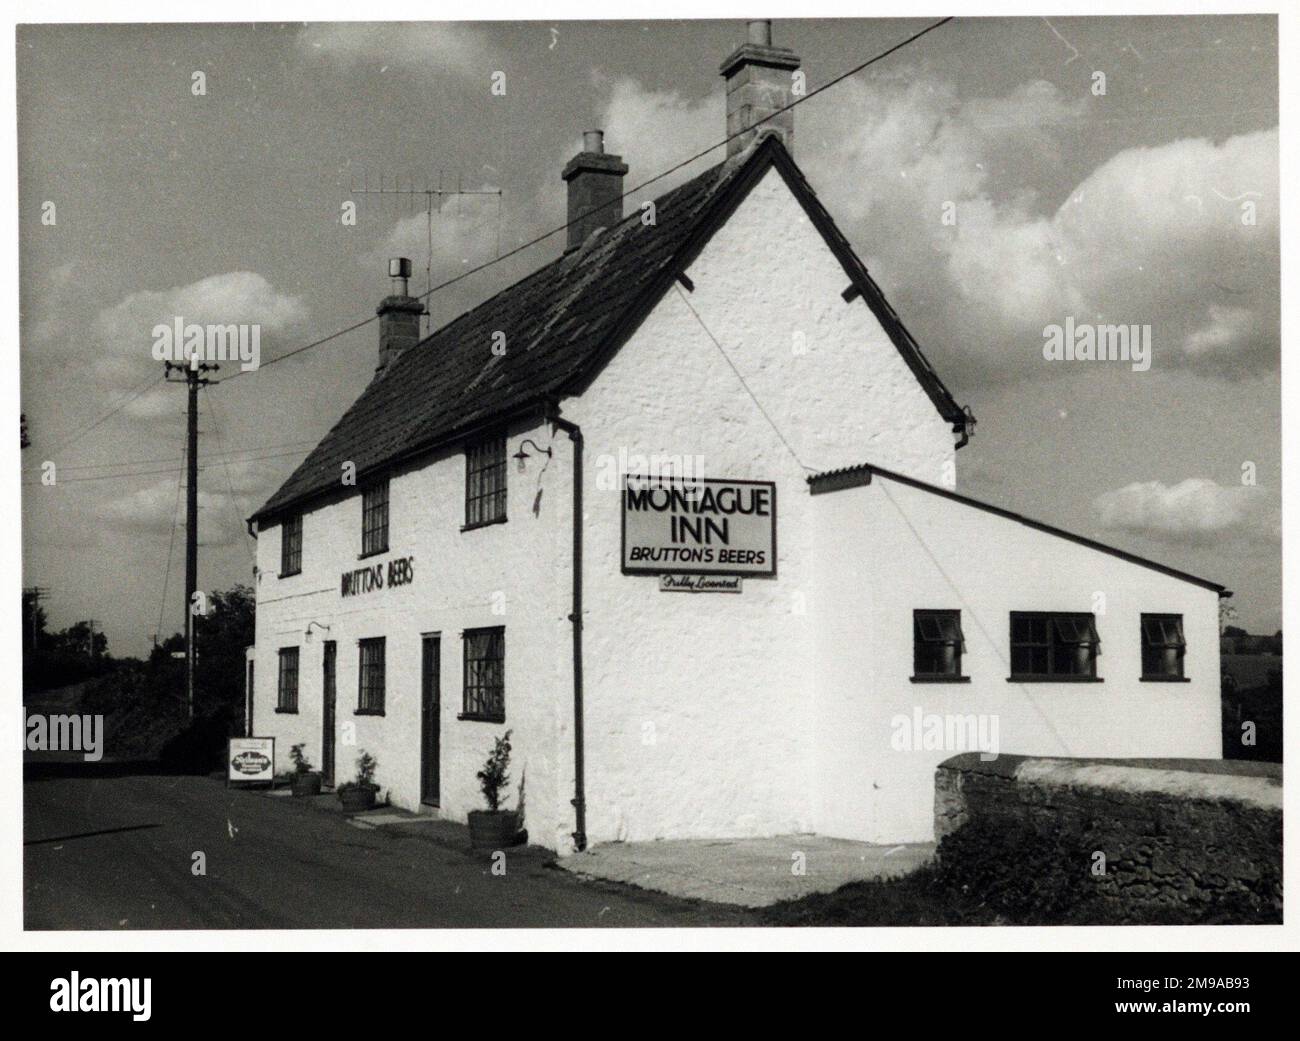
(595, 180)
(759, 85)
(399, 316)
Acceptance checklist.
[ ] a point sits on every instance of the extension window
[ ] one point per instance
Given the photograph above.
(1051, 647)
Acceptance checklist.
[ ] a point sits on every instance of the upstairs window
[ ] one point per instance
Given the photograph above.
(1163, 646)
(1052, 646)
(370, 696)
(374, 520)
(937, 645)
(291, 546)
(288, 683)
(485, 680)
(485, 482)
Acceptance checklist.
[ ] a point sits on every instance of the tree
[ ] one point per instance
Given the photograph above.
(145, 704)
(1227, 614)
(220, 639)
(33, 627)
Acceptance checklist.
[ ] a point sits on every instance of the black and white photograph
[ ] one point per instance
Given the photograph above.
(566, 478)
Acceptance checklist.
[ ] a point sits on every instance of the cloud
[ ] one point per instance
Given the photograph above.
(449, 47)
(464, 233)
(54, 291)
(122, 335)
(1158, 236)
(634, 120)
(1197, 511)
(151, 511)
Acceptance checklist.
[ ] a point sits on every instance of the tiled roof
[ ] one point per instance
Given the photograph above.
(560, 323)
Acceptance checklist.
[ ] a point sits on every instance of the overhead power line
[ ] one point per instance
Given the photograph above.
(644, 184)
(143, 388)
(171, 546)
(235, 504)
(233, 454)
(163, 470)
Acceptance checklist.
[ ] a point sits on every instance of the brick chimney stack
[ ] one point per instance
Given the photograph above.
(759, 81)
(595, 189)
(399, 316)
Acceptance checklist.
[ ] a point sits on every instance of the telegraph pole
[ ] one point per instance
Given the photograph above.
(194, 378)
(36, 594)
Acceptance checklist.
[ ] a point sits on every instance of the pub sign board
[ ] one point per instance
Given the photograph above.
(250, 760)
(701, 526)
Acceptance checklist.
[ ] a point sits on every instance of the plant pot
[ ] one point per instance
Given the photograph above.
(305, 783)
(493, 829)
(355, 800)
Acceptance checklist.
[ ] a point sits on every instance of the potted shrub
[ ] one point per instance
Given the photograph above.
(494, 828)
(305, 779)
(359, 795)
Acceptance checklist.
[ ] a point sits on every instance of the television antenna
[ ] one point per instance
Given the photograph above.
(411, 193)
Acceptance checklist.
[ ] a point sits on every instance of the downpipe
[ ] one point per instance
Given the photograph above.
(575, 617)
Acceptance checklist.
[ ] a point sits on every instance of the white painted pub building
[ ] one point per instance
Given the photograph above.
(677, 511)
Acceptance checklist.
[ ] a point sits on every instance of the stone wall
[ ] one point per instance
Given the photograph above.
(1107, 840)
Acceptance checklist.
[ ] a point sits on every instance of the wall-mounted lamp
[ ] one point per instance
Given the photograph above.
(520, 456)
(307, 634)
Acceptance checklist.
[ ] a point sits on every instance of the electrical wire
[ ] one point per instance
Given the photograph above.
(752, 397)
(171, 546)
(235, 504)
(644, 184)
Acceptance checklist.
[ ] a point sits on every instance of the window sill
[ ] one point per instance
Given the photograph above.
(289, 574)
(368, 712)
(286, 711)
(373, 553)
(940, 679)
(1163, 679)
(1055, 679)
(482, 524)
(473, 717)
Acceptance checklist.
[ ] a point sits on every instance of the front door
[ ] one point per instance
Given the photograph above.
(431, 733)
(327, 712)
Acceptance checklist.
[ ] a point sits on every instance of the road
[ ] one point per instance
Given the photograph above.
(113, 847)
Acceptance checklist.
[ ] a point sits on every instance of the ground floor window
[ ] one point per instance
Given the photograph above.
(1053, 646)
(937, 645)
(485, 683)
(370, 699)
(288, 683)
(1163, 646)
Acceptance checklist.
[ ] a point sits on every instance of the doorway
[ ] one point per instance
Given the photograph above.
(431, 725)
(328, 688)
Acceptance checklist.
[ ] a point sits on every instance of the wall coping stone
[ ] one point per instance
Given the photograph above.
(1216, 780)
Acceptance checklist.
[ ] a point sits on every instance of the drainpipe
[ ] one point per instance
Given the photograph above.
(575, 617)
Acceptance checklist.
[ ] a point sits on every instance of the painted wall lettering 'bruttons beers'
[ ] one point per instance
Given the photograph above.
(399, 572)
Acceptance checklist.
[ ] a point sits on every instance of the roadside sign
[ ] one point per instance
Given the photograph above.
(250, 760)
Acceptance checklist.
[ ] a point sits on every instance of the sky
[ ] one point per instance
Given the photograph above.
(994, 183)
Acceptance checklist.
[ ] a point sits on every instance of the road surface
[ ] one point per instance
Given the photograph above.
(111, 847)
